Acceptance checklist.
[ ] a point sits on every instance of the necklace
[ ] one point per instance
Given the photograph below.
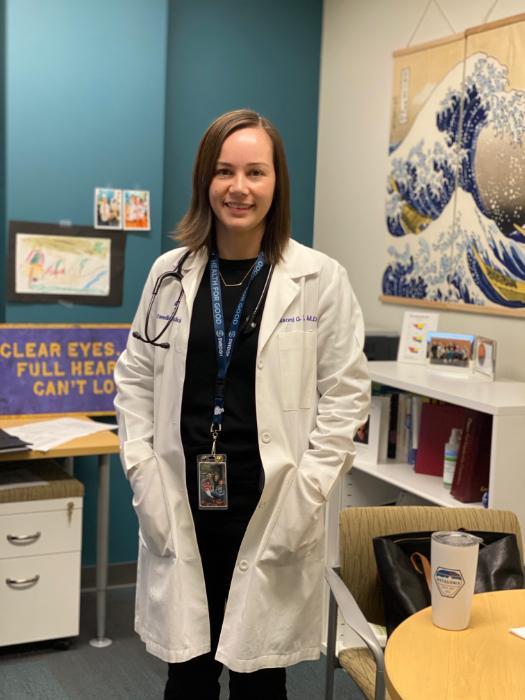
(236, 284)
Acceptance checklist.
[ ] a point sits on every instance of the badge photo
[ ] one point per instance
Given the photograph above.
(213, 483)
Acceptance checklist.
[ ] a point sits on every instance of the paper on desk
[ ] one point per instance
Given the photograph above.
(46, 434)
(519, 631)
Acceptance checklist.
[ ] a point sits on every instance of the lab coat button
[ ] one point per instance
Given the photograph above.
(243, 565)
(260, 364)
(266, 437)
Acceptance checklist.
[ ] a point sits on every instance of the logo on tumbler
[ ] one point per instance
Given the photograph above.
(448, 581)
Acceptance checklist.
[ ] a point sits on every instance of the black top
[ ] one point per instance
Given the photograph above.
(238, 438)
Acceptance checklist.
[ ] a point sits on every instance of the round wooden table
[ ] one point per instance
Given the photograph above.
(483, 662)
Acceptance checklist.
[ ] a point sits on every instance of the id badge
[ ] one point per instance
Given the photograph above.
(213, 483)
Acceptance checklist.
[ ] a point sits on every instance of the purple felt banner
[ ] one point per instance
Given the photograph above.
(59, 369)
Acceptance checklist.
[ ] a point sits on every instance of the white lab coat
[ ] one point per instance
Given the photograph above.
(312, 392)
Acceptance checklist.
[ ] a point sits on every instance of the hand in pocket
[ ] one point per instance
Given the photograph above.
(151, 508)
(298, 530)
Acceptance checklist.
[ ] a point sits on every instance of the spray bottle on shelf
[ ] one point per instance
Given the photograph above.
(451, 455)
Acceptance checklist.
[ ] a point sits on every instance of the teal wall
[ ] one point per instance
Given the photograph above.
(117, 93)
(85, 108)
(230, 54)
(2, 159)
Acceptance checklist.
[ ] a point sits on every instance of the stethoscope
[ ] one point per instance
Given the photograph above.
(249, 325)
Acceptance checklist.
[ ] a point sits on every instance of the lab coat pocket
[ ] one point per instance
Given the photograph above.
(297, 358)
(150, 505)
(297, 532)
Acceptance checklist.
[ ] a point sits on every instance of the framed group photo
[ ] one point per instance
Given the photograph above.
(450, 349)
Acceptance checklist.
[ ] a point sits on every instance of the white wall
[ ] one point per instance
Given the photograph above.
(359, 37)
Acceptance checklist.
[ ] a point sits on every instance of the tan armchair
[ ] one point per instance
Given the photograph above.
(355, 589)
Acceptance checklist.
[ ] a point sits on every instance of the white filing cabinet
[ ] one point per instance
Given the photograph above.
(40, 556)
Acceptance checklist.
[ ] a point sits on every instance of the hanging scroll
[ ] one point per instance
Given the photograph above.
(456, 180)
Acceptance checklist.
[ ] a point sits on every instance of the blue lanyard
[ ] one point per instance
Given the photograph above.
(224, 344)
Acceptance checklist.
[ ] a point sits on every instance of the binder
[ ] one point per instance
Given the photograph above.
(471, 477)
(10, 443)
(437, 421)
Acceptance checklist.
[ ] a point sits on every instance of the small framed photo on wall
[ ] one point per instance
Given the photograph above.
(136, 210)
(108, 208)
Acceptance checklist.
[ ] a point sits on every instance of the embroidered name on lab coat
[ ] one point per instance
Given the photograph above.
(166, 317)
(309, 318)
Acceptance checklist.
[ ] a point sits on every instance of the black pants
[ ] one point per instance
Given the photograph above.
(219, 536)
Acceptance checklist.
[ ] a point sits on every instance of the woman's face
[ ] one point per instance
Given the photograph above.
(242, 188)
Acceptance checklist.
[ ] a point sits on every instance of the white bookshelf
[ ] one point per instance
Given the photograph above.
(503, 400)
(403, 477)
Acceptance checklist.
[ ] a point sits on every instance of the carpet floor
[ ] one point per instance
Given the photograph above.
(124, 670)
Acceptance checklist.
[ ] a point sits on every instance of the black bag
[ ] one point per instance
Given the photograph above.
(404, 570)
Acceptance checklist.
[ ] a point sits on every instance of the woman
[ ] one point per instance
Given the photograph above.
(233, 433)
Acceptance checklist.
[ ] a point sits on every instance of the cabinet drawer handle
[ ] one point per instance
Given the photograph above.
(24, 582)
(23, 539)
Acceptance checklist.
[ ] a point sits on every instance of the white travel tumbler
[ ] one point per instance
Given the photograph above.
(453, 560)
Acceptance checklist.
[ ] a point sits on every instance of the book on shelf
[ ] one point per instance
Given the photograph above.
(403, 426)
(471, 476)
(405, 417)
(416, 403)
(392, 426)
(409, 427)
(437, 421)
(384, 412)
(412, 421)
(384, 425)
(401, 452)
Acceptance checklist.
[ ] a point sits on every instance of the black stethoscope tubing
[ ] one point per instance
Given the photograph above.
(248, 326)
(177, 274)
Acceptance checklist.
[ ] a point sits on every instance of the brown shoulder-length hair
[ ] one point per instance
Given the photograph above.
(195, 229)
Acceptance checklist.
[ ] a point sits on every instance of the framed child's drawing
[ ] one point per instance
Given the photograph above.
(79, 264)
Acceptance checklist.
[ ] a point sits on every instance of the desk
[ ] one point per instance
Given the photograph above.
(102, 445)
(482, 662)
